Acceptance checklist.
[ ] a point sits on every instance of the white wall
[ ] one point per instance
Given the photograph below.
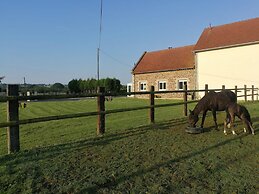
(129, 89)
(229, 67)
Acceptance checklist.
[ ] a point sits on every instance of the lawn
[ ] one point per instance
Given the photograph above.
(69, 130)
(132, 157)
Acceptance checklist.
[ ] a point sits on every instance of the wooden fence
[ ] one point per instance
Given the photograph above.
(13, 98)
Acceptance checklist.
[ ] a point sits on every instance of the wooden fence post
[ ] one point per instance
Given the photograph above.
(100, 109)
(252, 92)
(206, 89)
(236, 90)
(13, 137)
(185, 109)
(152, 103)
(256, 93)
(245, 93)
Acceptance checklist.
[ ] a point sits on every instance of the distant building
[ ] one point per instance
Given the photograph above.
(168, 69)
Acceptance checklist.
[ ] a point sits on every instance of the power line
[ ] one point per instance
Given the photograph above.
(113, 58)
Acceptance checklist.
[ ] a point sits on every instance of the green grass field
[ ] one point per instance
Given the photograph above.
(132, 156)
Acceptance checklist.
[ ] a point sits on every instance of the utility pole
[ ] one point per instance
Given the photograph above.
(99, 44)
(98, 64)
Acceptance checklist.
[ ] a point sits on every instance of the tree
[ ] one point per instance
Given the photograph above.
(42, 89)
(108, 84)
(73, 86)
(57, 87)
(90, 85)
(117, 85)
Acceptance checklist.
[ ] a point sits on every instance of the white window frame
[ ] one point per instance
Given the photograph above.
(144, 88)
(164, 85)
(129, 88)
(181, 81)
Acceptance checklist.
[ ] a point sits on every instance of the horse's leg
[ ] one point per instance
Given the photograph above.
(203, 118)
(245, 123)
(252, 129)
(248, 125)
(228, 119)
(215, 119)
(232, 120)
(226, 122)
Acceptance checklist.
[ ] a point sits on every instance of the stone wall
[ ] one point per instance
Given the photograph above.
(170, 77)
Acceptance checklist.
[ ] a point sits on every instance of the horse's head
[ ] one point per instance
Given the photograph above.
(193, 119)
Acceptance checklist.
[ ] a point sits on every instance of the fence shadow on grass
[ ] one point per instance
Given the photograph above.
(238, 122)
(36, 154)
(49, 152)
(140, 172)
(182, 158)
(52, 151)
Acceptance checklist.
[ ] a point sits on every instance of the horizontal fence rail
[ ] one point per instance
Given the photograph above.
(13, 121)
(67, 96)
(87, 114)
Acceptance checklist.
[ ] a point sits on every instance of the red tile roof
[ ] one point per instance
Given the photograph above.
(166, 60)
(227, 35)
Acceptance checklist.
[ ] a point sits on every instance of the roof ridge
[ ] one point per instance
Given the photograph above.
(229, 35)
(227, 24)
(173, 48)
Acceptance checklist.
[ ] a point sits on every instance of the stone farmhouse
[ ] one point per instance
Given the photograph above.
(223, 55)
(166, 69)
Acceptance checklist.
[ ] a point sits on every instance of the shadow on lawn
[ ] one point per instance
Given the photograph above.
(140, 172)
(238, 122)
(37, 154)
(52, 151)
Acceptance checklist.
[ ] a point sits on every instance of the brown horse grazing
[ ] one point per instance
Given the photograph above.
(212, 101)
(242, 113)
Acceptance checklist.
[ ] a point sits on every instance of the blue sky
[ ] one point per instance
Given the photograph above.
(49, 41)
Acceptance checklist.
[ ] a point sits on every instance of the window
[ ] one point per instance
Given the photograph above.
(142, 86)
(162, 85)
(181, 84)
